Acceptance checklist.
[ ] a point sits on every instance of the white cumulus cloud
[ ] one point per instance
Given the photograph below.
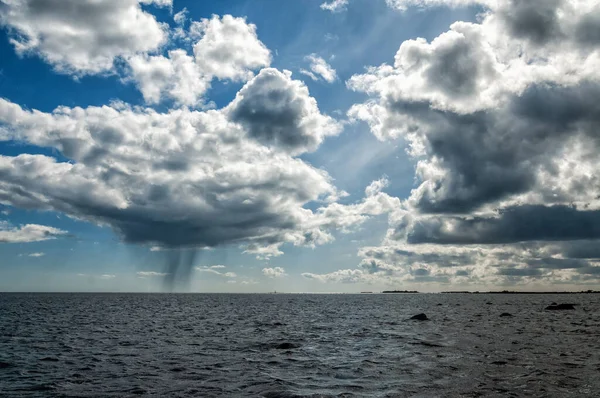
(82, 37)
(319, 68)
(28, 233)
(335, 5)
(276, 272)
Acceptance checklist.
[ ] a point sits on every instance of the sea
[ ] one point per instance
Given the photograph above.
(298, 345)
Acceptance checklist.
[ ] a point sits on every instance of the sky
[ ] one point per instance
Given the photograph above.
(299, 146)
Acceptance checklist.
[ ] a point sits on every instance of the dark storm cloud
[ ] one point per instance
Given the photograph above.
(536, 21)
(482, 165)
(176, 179)
(456, 69)
(581, 249)
(277, 111)
(589, 270)
(502, 119)
(587, 31)
(550, 110)
(513, 224)
(488, 156)
(395, 256)
(233, 225)
(557, 263)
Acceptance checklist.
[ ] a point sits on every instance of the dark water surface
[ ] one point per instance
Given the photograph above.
(208, 345)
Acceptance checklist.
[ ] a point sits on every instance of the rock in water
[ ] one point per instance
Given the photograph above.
(420, 317)
(505, 314)
(286, 346)
(561, 307)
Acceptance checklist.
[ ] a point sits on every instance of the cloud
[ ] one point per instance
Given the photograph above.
(39, 254)
(402, 5)
(335, 5)
(319, 68)
(500, 117)
(341, 276)
(180, 178)
(28, 233)
(187, 178)
(278, 112)
(213, 270)
(512, 224)
(102, 277)
(488, 124)
(82, 37)
(150, 274)
(138, 171)
(276, 272)
(227, 48)
(377, 186)
(176, 76)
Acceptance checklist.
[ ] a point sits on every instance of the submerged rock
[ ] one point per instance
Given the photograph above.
(428, 344)
(555, 307)
(505, 314)
(49, 359)
(4, 365)
(420, 317)
(286, 346)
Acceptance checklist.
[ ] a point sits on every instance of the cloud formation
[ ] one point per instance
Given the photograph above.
(335, 5)
(82, 37)
(28, 233)
(501, 118)
(150, 274)
(278, 112)
(175, 76)
(213, 270)
(226, 48)
(319, 69)
(229, 48)
(184, 178)
(137, 170)
(276, 272)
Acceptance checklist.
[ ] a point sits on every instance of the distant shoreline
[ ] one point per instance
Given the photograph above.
(307, 293)
(493, 292)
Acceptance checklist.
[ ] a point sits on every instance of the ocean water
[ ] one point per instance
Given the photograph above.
(280, 345)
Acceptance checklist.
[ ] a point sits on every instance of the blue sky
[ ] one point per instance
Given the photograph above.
(379, 169)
